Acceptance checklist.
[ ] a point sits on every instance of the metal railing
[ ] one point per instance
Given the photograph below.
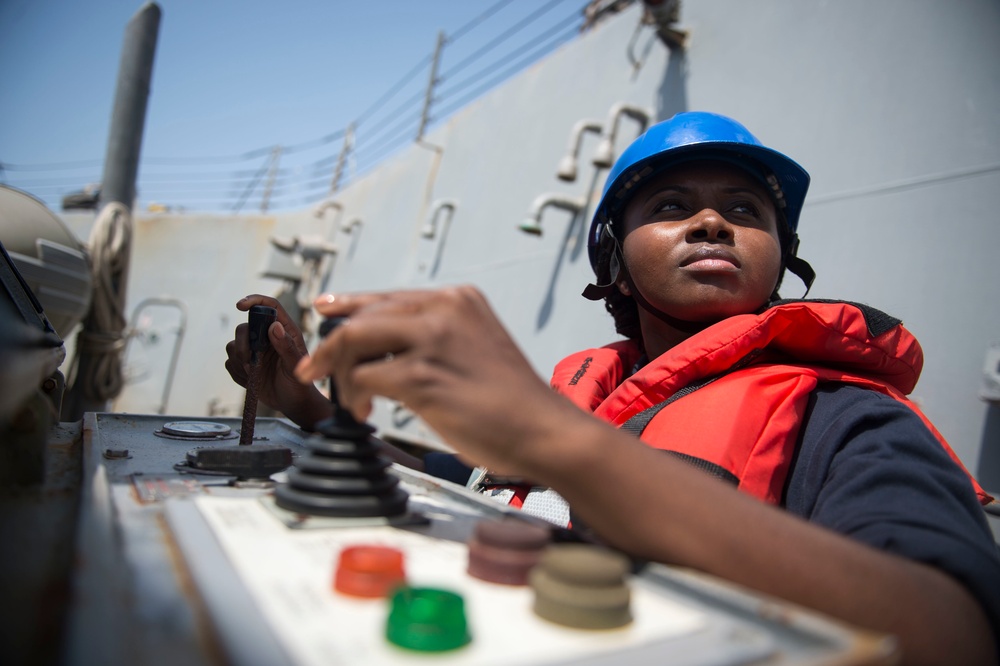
(284, 177)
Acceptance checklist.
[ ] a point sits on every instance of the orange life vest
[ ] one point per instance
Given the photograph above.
(735, 394)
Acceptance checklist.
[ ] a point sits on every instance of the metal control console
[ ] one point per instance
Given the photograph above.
(177, 566)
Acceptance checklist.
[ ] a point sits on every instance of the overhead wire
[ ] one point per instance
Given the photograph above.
(220, 159)
(367, 113)
(573, 21)
(559, 38)
(392, 132)
(468, 27)
(314, 143)
(52, 166)
(368, 150)
(193, 187)
(328, 161)
(201, 177)
(218, 176)
(394, 114)
(404, 134)
(250, 188)
(499, 39)
(41, 188)
(399, 85)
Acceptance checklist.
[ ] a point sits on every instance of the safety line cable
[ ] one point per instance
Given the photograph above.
(243, 174)
(392, 133)
(54, 186)
(493, 43)
(369, 148)
(574, 20)
(250, 188)
(366, 114)
(313, 143)
(52, 166)
(403, 137)
(504, 74)
(393, 114)
(461, 32)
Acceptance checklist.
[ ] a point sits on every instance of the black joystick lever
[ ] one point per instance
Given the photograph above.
(260, 319)
(342, 476)
(244, 461)
(342, 423)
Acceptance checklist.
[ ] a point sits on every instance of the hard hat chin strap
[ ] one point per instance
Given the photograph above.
(800, 267)
(597, 292)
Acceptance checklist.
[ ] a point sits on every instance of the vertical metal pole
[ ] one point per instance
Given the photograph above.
(429, 98)
(272, 173)
(338, 171)
(128, 117)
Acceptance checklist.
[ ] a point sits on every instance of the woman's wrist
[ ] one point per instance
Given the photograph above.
(309, 410)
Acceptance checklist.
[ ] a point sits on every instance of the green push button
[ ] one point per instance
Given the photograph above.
(427, 620)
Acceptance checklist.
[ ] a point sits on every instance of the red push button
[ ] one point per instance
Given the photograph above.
(369, 571)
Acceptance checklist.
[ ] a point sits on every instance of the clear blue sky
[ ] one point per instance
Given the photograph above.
(231, 77)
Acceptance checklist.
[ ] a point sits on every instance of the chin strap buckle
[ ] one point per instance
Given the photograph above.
(800, 267)
(597, 292)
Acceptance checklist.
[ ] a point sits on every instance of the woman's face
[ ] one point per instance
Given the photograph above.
(701, 242)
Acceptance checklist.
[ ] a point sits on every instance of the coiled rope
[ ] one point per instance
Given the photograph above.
(103, 336)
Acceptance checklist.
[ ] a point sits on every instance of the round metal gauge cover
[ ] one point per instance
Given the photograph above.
(196, 429)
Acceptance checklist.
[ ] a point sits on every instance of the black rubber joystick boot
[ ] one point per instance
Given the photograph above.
(342, 474)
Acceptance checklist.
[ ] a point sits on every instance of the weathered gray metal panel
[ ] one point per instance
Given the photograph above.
(208, 263)
(891, 106)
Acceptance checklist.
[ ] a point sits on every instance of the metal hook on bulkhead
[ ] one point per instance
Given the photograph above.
(604, 156)
(322, 207)
(349, 227)
(532, 223)
(430, 228)
(568, 164)
(353, 229)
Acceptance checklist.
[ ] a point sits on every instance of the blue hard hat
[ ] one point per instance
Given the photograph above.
(698, 135)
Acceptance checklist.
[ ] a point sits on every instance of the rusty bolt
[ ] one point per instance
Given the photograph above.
(116, 454)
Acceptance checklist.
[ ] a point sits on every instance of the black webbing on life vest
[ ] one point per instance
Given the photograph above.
(878, 322)
(717, 471)
(637, 424)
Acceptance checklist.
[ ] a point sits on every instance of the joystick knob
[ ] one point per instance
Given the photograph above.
(342, 475)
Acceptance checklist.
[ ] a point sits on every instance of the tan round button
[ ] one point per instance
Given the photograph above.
(585, 564)
(582, 586)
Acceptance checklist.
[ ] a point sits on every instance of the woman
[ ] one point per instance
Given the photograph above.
(853, 504)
